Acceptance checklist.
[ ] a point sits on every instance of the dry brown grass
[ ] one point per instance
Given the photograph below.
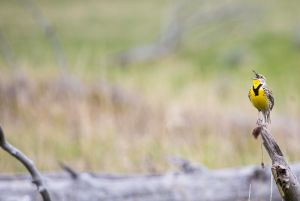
(96, 125)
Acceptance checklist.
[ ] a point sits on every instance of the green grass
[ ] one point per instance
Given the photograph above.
(191, 103)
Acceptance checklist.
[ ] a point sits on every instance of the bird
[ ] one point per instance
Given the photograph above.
(261, 98)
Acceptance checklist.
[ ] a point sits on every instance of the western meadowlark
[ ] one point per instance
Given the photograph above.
(261, 97)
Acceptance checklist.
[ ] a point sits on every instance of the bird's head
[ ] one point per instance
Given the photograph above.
(258, 79)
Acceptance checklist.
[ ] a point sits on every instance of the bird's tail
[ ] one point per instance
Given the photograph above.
(267, 116)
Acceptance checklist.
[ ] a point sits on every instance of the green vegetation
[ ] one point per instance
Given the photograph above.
(101, 116)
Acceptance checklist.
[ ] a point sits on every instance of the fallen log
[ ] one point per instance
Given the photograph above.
(195, 184)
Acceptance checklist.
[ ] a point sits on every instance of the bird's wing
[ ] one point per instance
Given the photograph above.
(270, 97)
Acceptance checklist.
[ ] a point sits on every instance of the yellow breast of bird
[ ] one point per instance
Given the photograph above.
(259, 101)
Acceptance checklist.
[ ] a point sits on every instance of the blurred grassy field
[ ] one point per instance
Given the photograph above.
(100, 116)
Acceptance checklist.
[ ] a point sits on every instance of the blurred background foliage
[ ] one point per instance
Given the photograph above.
(75, 88)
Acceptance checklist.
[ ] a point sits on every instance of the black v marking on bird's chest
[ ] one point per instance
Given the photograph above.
(256, 89)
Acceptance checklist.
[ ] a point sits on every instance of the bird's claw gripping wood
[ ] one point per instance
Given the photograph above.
(259, 122)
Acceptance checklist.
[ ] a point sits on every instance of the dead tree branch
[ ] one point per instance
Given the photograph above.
(181, 21)
(29, 165)
(7, 51)
(286, 181)
(48, 30)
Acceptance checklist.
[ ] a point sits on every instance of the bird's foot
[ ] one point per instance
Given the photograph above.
(259, 122)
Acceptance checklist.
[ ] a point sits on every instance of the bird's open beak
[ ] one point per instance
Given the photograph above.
(256, 75)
